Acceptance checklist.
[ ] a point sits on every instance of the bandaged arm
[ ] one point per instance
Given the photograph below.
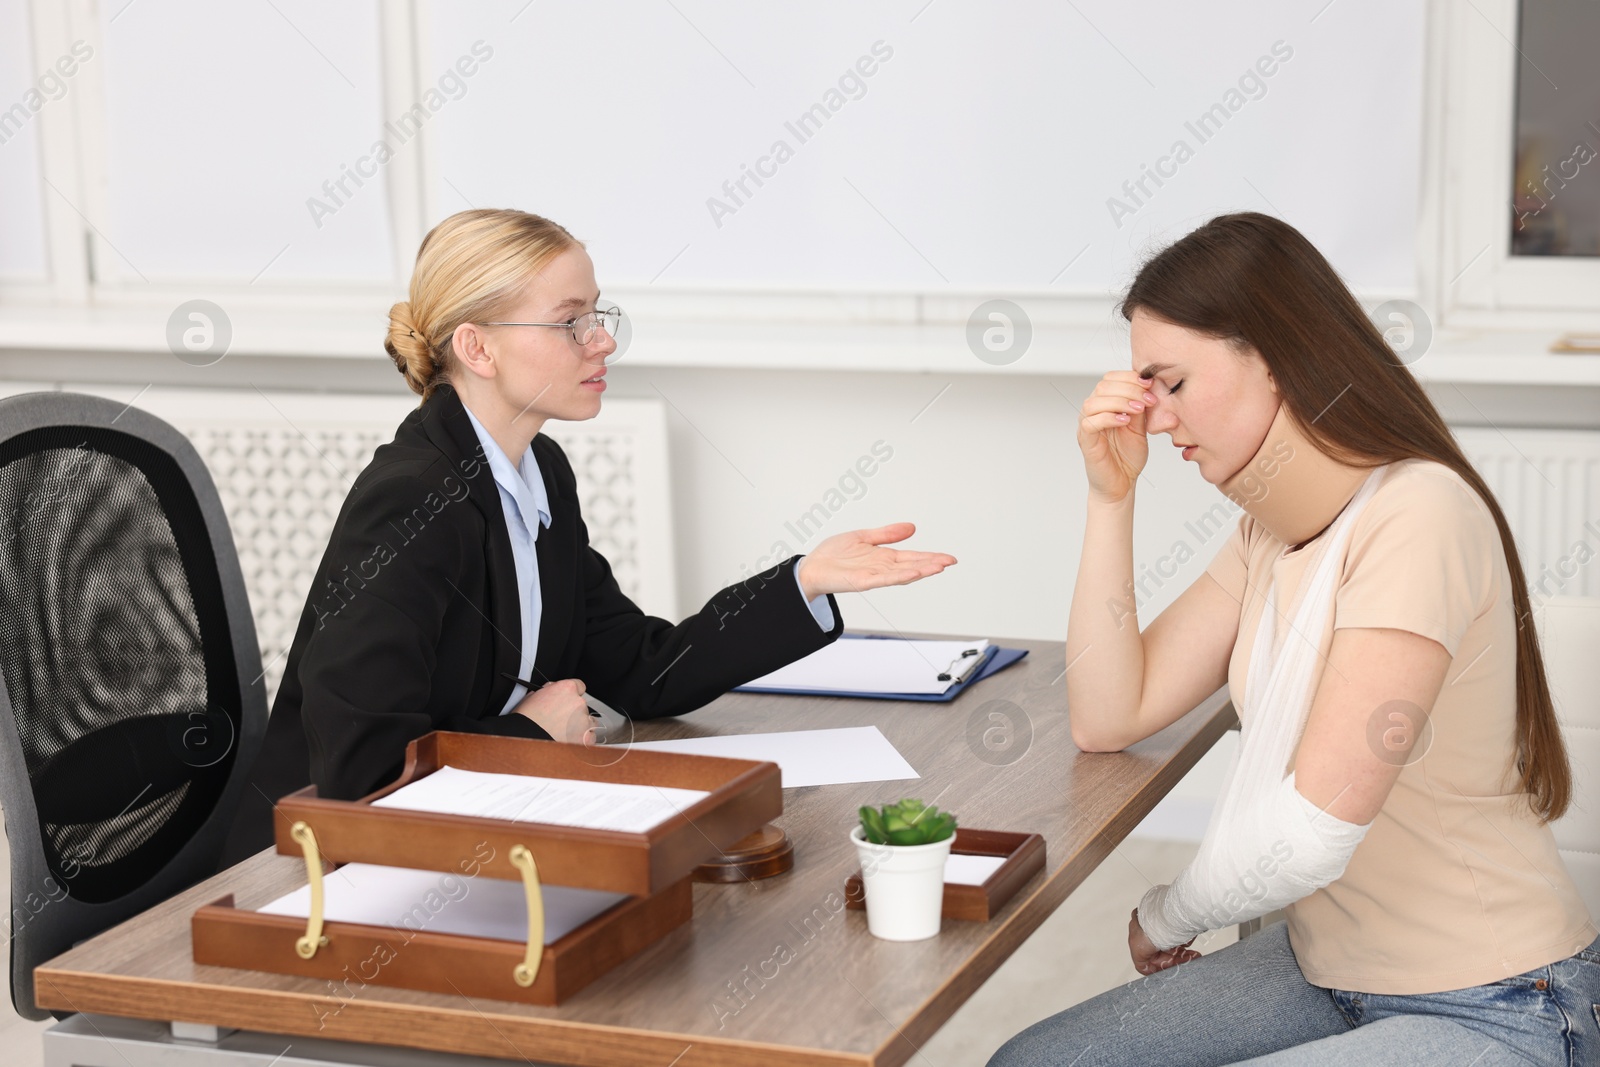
(1276, 851)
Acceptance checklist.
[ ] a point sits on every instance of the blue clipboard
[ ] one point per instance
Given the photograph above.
(995, 659)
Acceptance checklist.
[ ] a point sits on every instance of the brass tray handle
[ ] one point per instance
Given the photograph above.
(528, 969)
(307, 946)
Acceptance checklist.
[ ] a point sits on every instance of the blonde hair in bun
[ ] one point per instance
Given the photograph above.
(470, 267)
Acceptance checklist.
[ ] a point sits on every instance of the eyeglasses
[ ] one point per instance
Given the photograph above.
(583, 328)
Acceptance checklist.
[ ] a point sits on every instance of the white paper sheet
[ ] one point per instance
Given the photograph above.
(559, 801)
(970, 870)
(870, 666)
(441, 902)
(806, 757)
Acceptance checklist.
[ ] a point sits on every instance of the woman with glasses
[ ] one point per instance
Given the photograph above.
(459, 590)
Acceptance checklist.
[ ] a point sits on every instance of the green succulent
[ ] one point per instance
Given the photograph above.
(909, 822)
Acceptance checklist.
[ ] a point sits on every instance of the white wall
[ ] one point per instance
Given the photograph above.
(945, 146)
(990, 472)
(986, 465)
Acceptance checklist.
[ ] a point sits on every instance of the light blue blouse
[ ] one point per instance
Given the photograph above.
(523, 494)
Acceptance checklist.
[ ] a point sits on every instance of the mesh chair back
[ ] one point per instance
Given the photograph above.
(131, 698)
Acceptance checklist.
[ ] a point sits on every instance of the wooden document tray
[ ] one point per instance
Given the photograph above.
(1024, 855)
(651, 867)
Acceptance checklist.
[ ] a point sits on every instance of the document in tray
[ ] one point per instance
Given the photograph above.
(442, 902)
(868, 666)
(806, 757)
(970, 870)
(559, 801)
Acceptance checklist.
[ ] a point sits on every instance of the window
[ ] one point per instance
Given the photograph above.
(1512, 184)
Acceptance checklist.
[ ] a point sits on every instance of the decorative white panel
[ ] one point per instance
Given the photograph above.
(282, 490)
(284, 462)
(290, 189)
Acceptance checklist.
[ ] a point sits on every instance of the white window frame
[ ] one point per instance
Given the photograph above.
(56, 127)
(1467, 270)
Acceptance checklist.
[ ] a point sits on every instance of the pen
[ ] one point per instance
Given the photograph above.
(596, 705)
(961, 667)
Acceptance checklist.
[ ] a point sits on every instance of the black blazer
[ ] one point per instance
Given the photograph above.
(413, 623)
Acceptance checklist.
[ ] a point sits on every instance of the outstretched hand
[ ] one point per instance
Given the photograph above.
(857, 561)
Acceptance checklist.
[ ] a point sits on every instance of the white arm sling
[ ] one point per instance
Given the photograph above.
(1266, 845)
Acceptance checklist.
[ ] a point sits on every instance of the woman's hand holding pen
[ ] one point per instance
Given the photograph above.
(856, 561)
(1111, 434)
(559, 709)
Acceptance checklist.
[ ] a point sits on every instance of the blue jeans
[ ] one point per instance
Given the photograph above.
(1250, 1004)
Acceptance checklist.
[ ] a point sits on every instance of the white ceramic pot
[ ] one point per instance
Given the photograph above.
(904, 887)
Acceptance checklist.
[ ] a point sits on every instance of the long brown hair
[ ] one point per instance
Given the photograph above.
(1256, 281)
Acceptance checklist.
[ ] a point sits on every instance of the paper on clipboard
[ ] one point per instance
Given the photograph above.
(875, 667)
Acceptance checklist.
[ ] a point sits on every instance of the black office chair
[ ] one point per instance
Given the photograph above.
(131, 698)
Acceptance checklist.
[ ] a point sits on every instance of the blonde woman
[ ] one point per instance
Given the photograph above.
(459, 590)
(1399, 760)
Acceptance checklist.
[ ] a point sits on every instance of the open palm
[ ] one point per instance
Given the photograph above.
(857, 561)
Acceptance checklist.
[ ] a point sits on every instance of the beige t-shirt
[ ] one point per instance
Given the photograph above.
(1457, 883)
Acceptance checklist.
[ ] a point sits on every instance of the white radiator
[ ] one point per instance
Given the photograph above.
(1548, 484)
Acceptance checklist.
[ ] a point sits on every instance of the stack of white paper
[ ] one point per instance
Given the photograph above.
(806, 757)
(441, 902)
(526, 798)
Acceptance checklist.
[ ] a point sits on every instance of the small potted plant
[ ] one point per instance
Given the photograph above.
(903, 848)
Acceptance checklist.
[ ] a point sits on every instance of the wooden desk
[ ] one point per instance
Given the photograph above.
(722, 990)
